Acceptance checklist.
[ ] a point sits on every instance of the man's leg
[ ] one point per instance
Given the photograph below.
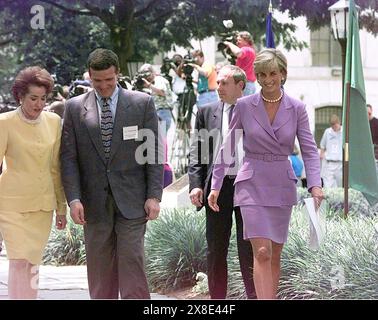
(245, 257)
(130, 256)
(100, 246)
(218, 231)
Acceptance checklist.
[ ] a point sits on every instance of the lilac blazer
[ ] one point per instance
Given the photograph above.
(266, 177)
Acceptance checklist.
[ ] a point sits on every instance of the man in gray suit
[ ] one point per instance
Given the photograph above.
(111, 189)
(212, 125)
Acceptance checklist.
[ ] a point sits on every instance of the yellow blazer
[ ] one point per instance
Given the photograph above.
(31, 169)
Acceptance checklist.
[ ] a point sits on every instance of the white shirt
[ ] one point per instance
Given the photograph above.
(332, 143)
(239, 152)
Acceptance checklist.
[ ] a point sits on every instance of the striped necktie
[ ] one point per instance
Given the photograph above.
(106, 126)
(230, 113)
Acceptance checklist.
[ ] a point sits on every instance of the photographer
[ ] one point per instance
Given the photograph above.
(160, 90)
(245, 57)
(178, 79)
(207, 79)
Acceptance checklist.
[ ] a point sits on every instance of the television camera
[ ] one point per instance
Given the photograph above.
(79, 87)
(138, 82)
(229, 36)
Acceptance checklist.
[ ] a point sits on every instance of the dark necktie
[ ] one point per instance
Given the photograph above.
(106, 126)
(233, 164)
(230, 113)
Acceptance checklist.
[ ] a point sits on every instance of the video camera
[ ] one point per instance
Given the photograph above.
(125, 82)
(138, 82)
(188, 69)
(229, 36)
(79, 87)
(57, 92)
(166, 66)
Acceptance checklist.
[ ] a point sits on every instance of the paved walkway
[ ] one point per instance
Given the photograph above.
(58, 283)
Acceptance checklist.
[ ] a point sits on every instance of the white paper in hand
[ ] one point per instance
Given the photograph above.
(316, 222)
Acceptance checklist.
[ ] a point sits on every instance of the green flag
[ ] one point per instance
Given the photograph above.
(362, 171)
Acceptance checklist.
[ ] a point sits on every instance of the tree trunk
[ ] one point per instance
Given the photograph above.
(121, 39)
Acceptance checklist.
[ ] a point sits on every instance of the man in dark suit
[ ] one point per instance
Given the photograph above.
(112, 188)
(211, 128)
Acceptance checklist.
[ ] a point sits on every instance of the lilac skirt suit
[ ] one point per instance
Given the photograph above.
(265, 185)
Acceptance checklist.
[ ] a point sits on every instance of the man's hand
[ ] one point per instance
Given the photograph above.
(77, 212)
(212, 200)
(152, 208)
(196, 196)
(60, 221)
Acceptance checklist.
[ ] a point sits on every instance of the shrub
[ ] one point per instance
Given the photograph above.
(175, 249)
(335, 197)
(66, 247)
(344, 267)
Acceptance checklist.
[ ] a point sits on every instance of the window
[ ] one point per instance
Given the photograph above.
(322, 116)
(325, 50)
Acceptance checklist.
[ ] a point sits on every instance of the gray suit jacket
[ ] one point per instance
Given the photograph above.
(205, 146)
(86, 175)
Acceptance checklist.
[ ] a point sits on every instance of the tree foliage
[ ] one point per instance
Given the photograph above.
(145, 27)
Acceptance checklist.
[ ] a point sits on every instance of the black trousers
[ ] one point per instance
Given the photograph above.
(218, 232)
(115, 256)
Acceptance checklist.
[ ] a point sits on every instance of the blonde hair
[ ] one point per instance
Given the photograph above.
(270, 59)
(246, 36)
(334, 119)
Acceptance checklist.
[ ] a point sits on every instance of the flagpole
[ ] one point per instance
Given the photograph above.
(346, 96)
(346, 152)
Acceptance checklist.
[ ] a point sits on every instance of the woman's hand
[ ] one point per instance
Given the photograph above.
(317, 194)
(212, 200)
(60, 221)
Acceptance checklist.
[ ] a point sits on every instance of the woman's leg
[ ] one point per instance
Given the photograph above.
(262, 268)
(22, 279)
(276, 265)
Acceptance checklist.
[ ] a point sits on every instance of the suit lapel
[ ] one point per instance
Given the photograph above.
(92, 122)
(217, 116)
(259, 113)
(119, 122)
(283, 114)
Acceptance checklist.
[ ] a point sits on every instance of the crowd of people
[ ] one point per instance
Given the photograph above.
(85, 154)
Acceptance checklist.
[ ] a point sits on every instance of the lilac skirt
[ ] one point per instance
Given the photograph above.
(266, 222)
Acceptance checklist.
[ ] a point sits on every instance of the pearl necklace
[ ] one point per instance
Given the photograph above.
(272, 100)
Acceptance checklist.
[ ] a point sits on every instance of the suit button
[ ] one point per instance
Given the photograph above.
(106, 189)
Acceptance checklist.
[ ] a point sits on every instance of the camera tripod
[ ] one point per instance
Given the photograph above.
(181, 141)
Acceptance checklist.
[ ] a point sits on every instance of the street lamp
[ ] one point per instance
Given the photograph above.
(339, 23)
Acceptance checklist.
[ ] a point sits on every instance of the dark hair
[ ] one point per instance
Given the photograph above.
(31, 76)
(102, 59)
(197, 52)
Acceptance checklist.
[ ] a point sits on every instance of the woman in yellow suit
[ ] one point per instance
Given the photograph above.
(30, 184)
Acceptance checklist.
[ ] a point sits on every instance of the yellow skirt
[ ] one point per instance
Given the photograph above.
(26, 234)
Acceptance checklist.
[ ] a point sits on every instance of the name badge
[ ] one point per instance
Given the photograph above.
(130, 133)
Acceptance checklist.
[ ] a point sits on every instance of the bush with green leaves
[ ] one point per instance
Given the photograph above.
(66, 247)
(335, 199)
(175, 249)
(344, 267)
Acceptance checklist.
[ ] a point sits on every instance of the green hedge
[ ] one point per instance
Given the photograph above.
(345, 267)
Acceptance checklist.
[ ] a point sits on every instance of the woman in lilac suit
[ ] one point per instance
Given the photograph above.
(265, 186)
